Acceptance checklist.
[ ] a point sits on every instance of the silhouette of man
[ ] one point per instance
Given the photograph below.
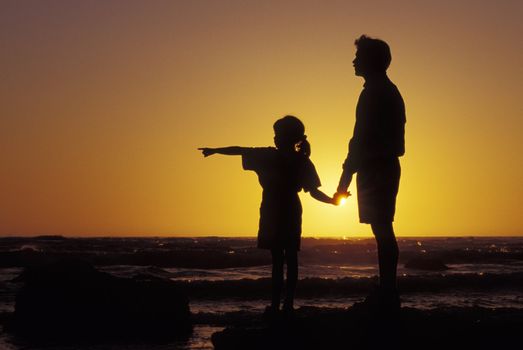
(376, 144)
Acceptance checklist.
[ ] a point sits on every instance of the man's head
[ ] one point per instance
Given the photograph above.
(372, 56)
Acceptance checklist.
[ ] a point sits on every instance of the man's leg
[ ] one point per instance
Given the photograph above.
(291, 258)
(387, 255)
(277, 277)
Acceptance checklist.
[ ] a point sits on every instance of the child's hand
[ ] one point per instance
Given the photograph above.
(339, 198)
(207, 151)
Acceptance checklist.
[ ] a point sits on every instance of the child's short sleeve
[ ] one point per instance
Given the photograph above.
(310, 178)
(255, 158)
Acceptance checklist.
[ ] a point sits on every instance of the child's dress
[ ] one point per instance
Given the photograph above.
(282, 175)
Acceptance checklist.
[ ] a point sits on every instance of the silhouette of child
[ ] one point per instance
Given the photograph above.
(282, 172)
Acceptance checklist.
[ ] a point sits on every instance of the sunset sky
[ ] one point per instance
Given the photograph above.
(103, 104)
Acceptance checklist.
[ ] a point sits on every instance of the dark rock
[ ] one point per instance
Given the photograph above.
(356, 328)
(426, 263)
(72, 301)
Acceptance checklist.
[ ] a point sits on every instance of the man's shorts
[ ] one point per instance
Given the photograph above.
(378, 182)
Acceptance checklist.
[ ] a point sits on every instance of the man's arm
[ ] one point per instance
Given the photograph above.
(350, 166)
(345, 180)
(229, 151)
(361, 126)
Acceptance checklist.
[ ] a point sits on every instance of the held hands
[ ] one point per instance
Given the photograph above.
(342, 194)
(339, 198)
(207, 151)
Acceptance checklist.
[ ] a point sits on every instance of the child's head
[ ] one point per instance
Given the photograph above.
(289, 133)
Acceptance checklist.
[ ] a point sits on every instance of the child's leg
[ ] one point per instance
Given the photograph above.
(277, 276)
(291, 257)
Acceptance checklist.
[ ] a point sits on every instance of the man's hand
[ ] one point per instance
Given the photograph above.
(207, 151)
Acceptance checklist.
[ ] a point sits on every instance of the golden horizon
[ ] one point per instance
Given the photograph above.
(104, 106)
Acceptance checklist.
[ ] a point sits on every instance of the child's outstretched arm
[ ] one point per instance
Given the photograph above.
(322, 197)
(229, 151)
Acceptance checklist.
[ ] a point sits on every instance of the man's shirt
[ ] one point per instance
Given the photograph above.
(379, 131)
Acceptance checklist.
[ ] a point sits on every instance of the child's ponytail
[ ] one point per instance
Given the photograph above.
(304, 147)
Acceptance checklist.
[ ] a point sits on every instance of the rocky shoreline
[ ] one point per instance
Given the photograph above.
(357, 328)
(71, 302)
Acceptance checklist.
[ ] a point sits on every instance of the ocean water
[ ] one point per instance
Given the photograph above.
(225, 275)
